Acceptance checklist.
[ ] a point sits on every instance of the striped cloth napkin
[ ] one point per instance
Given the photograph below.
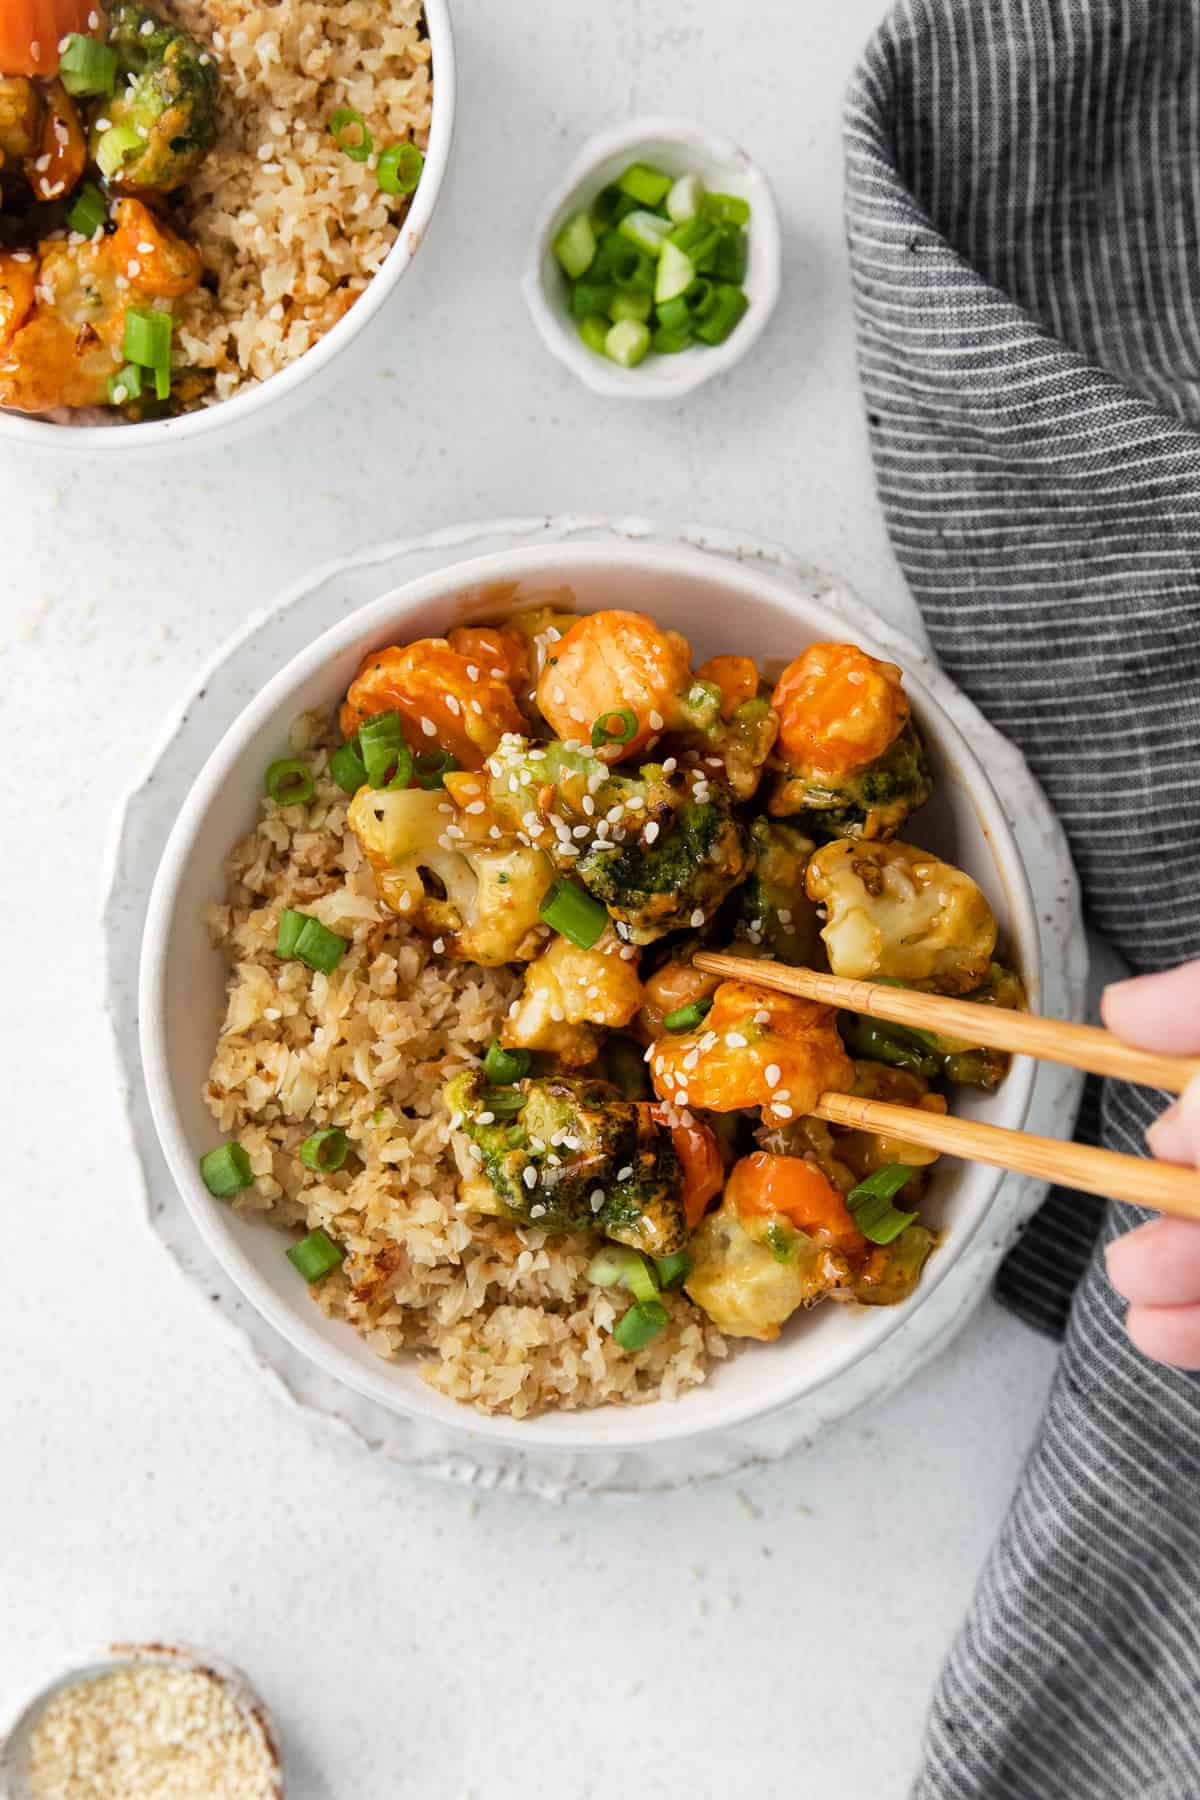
(1023, 200)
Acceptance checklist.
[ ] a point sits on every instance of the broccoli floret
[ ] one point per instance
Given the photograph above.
(891, 1271)
(771, 910)
(743, 741)
(928, 1053)
(568, 1155)
(164, 120)
(872, 802)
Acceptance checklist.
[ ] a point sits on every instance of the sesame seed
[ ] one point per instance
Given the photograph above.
(475, 806)
(697, 918)
(782, 1112)
(487, 1118)
(582, 831)
(529, 1176)
(771, 1074)
(625, 1173)
(535, 1212)
(656, 721)
(472, 672)
(452, 706)
(735, 1040)
(597, 1199)
(428, 727)
(651, 831)
(439, 944)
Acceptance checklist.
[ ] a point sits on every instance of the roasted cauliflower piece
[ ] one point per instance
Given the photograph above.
(755, 1048)
(568, 993)
(568, 1155)
(443, 697)
(163, 122)
(480, 898)
(852, 763)
(20, 111)
(771, 911)
(893, 910)
(609, 667)
(929, 1053)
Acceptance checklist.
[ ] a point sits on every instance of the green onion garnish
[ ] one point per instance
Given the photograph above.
(349, 131)
(588, 297)
(399, 168)
(432, 767)
(575, 246)
(699, 237)
(594, 331)
(729, 307)
(727, 209)
(325, 1151)
(347, 767)
(386, 757)
(315, 1256)
(610, 207)
(687, 1018)
(634, 274)
(304, 939)
(871, 1208)
(641, 1325)
(291, 924)
(289, 783)
(602, 730)
(645, 184)
(574, 914)
(125, 385)
(676, 273)
(89, 212)
(627, 343)
(118, 142)
(501, 1067)
(87, 66)
(729, 263)
(226, 1171)
(683, 201)
(675, 315)
(673, 1271)
(645, 230)
(630, 306)
(148, 337)
(618, 1265)
(503, 1102)
(670, 343)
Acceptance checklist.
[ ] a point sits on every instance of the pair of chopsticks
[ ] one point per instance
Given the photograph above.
(1164, 1186)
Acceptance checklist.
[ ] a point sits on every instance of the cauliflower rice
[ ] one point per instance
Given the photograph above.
(501, 1315)
(290, 228)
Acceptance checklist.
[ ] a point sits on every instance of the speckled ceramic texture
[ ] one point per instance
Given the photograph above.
(234, 676)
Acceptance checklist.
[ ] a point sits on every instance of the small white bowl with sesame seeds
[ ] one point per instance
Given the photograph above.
(183, 978)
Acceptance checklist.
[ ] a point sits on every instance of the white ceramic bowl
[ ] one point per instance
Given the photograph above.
(678, 148)
(265, 402)
(181, 991)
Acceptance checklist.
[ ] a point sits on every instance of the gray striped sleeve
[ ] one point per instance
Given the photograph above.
(1023, 206)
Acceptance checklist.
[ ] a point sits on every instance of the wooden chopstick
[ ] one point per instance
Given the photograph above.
(1051, 1040)
(1164, 1186)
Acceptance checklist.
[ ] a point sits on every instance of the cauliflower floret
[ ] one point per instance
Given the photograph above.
(894, 910)
(568, 993)
(754, 1049)
(487, 907)
(750, 1276)
(445, 699)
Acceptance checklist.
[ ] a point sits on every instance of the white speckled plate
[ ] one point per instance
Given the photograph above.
(236, 673)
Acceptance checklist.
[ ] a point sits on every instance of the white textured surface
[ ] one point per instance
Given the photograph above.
(414, 1641)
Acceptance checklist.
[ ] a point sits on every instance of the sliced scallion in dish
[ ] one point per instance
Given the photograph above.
(325, 1151)
(603, 732)
(304, 939)
(148, 343)
(574, 914)
(619, 1266)
(315, 1256)
(399, 168)
(125, 385)
(289, 782)
(226, 1171)
(870, 1204)
(432, 767)
(503, 1102)
(641, 1325)
(386, 757)
(347, 767)
(86, 66)
(673, 1271)
(687, 1018)
(658, 253)
(118, 142)
(89, 212)
(502, 1066)
(349, 131)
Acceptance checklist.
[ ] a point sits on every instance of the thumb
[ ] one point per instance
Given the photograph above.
(1160, 1012)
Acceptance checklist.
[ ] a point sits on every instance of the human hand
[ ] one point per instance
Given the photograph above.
(1157, 1267)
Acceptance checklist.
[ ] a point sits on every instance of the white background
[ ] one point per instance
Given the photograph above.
(777, 1637)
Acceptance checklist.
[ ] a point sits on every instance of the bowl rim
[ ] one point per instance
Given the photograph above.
(617, 1428)
(259, 396)
(681, 374)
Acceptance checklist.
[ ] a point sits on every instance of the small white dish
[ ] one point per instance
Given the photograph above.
(109, 1660)
(678, 148)
(266, 402)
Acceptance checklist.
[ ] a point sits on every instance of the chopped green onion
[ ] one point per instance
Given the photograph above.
(89, 212)
(670, 343)
(641, 1325)
(594, 332)
(645, 184)
(871, 1208)
(699, 237)
(687, 1018)
(325, 1151)
(683, 201)
(676, 273)
(575, 246)
(673, 1271)
(289, 782)
(226, 1171)
(781, 1241)
(291, 924)
(603, 733)
(574, 914)
(347, 767)
(636, 277)
(118, 142)
(727, 209)
(349, 131)
(729, 308)
(125, 385)
(386, 757)
(627, 343)
(503, 1102)
(315, 1256)
(729, 264)
(675, 315)
(432, 767)
(617, 1265)
(148, 337)
(399, 168)
(87, 66)
(502, 1066)
(588, 297)
(700, 300)
(319, 947)
(610, 207)
(641, 1278)
(630, 306)
(645, 230)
